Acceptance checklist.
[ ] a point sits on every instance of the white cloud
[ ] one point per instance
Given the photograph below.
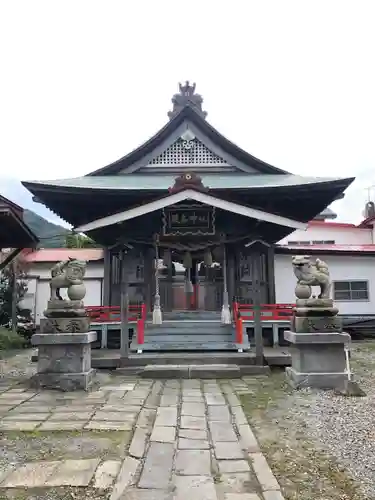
(292, 82)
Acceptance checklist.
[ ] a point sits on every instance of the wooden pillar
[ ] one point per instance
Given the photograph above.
(231, 273)
(256, 292)
(124, 305)
(271, 275)
(107, 277)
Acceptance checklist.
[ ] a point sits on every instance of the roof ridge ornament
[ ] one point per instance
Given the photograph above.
(188, 180)
(187, 97)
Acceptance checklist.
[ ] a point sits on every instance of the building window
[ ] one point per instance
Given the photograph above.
(323, 242)
(314, 242)
(299, 242)
(350, 290)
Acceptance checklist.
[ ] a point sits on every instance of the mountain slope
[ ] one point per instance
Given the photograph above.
(50, 235)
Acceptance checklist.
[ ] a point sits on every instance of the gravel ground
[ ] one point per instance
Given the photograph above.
(16, 367)
(345, 426)
(321, 446)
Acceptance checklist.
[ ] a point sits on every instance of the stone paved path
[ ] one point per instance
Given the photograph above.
(190, 439)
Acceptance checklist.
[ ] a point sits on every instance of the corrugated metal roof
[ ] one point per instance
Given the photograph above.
(163, 182)
(330, 248)
(58, 254)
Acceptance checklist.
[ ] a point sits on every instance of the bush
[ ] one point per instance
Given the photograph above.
(10, 340)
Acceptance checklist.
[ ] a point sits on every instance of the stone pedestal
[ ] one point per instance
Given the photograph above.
(318, 359)
(64, 361)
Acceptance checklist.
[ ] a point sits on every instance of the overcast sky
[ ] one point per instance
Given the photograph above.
(83, 82)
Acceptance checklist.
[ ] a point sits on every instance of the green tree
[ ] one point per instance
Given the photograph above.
(73, 240)
(13, 287)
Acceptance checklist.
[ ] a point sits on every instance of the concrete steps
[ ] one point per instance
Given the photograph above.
(207, 371)
(189, 335)
(189, 331)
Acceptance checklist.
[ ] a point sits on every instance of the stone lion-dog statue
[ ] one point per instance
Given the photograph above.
(312, 274)
(68, 274)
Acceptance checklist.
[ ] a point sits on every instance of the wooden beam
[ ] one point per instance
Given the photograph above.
(107, 276)
(190, 194)
(124, 305)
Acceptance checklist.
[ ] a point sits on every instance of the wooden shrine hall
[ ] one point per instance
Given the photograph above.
(188, 221)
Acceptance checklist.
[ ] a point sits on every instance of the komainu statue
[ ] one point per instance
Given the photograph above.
(68, 274)
(311, 274)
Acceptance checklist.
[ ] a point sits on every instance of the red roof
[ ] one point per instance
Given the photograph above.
(322, 223)
(331, 248)
(58, 254)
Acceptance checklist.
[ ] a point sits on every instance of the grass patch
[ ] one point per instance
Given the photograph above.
(303, 470)
(10, 340)
(65, 445)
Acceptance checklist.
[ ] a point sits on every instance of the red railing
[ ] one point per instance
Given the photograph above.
(238, 323)
(141, 325)
(111, 314)
(268, 312)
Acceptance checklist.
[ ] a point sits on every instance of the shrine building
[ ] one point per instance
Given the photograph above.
(188, 221)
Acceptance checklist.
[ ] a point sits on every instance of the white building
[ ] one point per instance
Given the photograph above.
(349, 251)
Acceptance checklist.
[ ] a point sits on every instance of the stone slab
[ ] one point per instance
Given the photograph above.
(74, 473)
(241, 496)
(139, 441)
(94, 425)
(228, 451)
(166, 417)
(139, 494)
(222, 432)
(84, 381)
(31, 475)
(219, 414)
(63, 338)
(215, 399)
(18, 426)
(106, 473)
(317, 338)
(165, 371)
(188, 422)
(157, 468)
(248, 439)
(163, 434)
(229, 466)
(315, 380)
(193, 409)
(193, 444)
(195, 487)
(125, 476)
(73, 425)
(193, 462)
(214, 371)
(263, 472)
(198, 434)
(273, 495)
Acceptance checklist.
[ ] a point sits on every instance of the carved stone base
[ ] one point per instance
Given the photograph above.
(314, 303)
(327, 380)
(65, 325)
(316, 324)
(66, 382)
(65, 309)
(318, 359)
(64, 361)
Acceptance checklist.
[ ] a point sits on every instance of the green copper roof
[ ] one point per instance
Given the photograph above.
(163, 182)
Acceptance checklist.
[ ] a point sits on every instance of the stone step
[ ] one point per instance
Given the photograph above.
(184, 337)
(208, 371)
(191, 358)
(174, 345)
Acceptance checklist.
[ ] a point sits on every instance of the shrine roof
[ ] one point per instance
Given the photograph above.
(137, 182)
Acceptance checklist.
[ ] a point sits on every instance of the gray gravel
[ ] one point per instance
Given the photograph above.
(16, 367)
(344, 426)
